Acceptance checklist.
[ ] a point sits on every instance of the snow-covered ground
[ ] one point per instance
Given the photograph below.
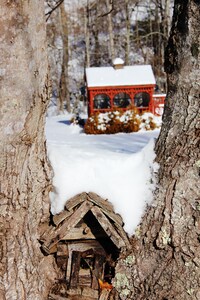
(117, 167)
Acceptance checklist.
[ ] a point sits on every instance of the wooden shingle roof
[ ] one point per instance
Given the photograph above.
(76, 208)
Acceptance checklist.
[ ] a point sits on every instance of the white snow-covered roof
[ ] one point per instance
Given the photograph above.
(128, 75)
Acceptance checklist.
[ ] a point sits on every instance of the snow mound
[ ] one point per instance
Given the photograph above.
(118, 167)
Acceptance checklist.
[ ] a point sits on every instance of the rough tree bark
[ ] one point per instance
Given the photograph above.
(165, 260)
(24, 171)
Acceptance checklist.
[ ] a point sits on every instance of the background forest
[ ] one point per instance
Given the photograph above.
(83, 33)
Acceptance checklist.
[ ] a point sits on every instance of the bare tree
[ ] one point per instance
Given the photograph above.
(167, 17)
(87, 35)
(55, 42)
(109, 6)
(128, 26)
(64, 80)
(25, 176)
(95, 28)
(165, 259)
(130, 7)
(53, 8)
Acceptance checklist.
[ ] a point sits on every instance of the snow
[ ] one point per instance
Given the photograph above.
(159, 95)
(128, 75)
(118, 61)
(118, 167)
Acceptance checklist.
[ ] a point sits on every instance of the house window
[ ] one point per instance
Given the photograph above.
(142, 99)
(121, 100)
(101, 101)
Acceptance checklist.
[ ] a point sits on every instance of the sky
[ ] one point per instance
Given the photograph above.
(118, 167)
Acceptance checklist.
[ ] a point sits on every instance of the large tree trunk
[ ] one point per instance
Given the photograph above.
(165, 261)
(24, 171)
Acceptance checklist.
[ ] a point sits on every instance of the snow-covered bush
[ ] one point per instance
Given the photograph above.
(149, 121)
(119, 121)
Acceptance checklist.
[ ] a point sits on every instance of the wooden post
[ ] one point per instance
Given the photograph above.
(75, 267)
(98, 270)
(104, 295)
(62, 256)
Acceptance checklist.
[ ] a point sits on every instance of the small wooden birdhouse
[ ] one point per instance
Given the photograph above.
(86, 239)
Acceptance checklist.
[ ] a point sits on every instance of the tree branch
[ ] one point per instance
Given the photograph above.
(149, 34)
(48, 14)
(107, 13)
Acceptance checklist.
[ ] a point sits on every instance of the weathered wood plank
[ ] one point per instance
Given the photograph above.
(74, 292)
(88, 252)
(56, 297)
(75, 267)
(85, 278)
(62, 262)
(85, 293)
(62, 250)
(107, 226)
(88, 292)
(59, 233)
(57, 219)
(74, 201)
(100, 201)
(84, 246)
(123, 235)
(79, 234)
(114, 217)
(104, 295)
(49, 232)
(106, 207)
(98, 270)
(53, 249)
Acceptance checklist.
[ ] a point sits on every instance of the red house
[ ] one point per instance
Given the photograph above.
(122, 87)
